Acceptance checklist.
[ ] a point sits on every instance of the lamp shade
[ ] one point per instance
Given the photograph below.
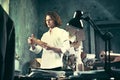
(76, 21)
(75, 26)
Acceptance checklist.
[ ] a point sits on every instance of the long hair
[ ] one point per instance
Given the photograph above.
(55, 17)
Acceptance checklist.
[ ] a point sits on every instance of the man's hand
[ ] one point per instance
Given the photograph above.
(31, 40)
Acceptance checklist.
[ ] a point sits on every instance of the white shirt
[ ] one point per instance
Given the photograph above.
(58, 38)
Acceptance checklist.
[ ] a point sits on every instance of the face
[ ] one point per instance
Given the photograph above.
(50, 22)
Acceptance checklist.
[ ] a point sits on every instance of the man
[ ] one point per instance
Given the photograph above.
(54, 43)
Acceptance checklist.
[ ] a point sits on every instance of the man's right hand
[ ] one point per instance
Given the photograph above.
(31, 40)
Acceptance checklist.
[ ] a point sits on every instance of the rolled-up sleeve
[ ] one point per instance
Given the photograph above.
(66, 43)
(36, 50)
(65, 47)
